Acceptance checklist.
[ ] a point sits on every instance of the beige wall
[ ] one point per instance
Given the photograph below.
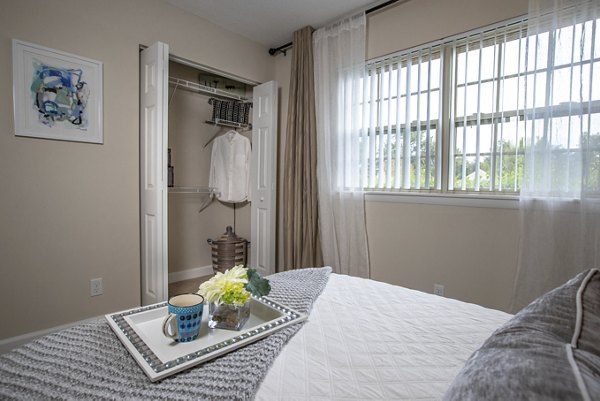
(69, 211)
(419, 245)
(416, 22)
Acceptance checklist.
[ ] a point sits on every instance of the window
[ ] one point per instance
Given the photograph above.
(403, 112)
(563, 110)
(487, 133)
(456, 116)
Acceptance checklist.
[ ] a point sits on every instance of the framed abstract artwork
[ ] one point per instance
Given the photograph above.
(56, 95)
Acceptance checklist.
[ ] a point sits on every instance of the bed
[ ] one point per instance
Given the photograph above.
(363, 340)
(367, 340)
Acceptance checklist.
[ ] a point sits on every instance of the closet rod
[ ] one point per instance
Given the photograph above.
(193, 190)
(284, 48)
(218, 133)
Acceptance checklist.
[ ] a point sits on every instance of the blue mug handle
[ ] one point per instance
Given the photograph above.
(168, 324)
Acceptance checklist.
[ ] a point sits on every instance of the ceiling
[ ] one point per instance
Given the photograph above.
(271, 22)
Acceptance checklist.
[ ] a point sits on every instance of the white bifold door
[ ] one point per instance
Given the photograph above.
(263, 239)
(154, 86)
(154, 76)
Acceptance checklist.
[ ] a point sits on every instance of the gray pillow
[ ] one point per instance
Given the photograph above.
(548, 351)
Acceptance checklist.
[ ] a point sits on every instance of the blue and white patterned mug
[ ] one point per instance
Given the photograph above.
(185, 317)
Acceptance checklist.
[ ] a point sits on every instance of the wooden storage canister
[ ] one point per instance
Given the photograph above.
(228, 251)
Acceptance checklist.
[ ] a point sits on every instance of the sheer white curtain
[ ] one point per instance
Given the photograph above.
(560, 193)
(339, 57)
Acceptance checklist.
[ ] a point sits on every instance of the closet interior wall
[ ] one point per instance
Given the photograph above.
(188, 133)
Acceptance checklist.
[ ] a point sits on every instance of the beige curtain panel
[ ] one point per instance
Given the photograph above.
(302, 245)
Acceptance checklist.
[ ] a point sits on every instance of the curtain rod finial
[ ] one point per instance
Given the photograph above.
(281, 49)
(273, 52)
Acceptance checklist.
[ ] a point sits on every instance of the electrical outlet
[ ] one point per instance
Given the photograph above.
(96, 287)
(438, 289)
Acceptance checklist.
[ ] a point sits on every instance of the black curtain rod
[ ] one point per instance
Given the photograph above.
(380, 6)
(283, 49)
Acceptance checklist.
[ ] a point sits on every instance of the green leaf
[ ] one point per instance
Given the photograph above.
(257, 285)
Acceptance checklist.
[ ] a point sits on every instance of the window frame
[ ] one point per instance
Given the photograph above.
(444, 195)
(449, 49)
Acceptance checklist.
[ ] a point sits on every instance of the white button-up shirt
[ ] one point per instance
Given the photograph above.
(230, 167)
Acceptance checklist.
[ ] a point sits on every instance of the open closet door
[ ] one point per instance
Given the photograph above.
(264, 178)
(154, 74)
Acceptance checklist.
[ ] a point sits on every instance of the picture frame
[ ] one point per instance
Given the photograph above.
(56, 95)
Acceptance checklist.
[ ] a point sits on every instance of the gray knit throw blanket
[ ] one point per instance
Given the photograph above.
(89, 362)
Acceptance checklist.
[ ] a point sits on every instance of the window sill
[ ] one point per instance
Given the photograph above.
(464, 200)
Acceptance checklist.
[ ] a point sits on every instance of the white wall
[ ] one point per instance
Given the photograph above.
(69, 211)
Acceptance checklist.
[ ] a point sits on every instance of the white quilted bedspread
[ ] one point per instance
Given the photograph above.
(367, 340)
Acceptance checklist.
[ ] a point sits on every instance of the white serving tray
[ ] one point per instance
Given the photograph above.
(140, 330)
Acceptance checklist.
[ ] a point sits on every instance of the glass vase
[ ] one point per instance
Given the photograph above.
(228, 316)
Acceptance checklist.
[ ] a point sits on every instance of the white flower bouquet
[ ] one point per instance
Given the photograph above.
(228, 295)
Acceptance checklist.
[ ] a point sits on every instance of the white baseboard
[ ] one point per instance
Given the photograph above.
(13, 342)
(190, 273)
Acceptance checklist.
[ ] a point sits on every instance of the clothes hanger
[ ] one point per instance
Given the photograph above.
(173, 94)
(218, 133)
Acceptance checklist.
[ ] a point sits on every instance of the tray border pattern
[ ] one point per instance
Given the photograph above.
(288, 316)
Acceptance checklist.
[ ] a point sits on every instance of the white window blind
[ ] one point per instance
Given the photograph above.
(505, 90)
(402, 144)
(487, 133)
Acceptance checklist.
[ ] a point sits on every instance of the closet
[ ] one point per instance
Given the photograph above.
(177, 125)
